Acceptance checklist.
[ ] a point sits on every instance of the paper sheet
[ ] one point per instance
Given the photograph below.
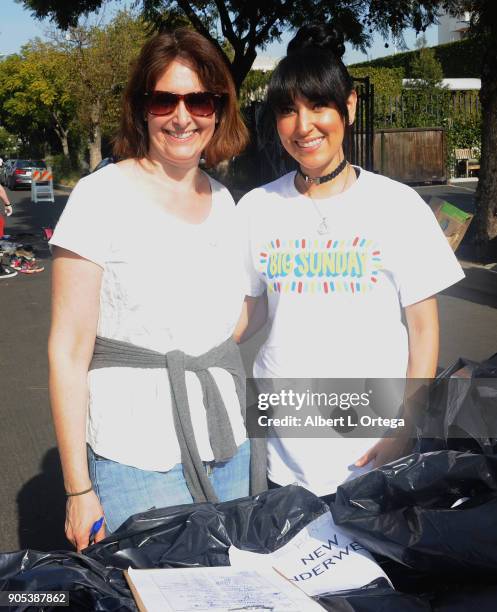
(217, 589)
(319, 559)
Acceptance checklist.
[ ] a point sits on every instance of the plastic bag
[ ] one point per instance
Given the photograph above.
(390, 501)
(462, 411)
(92, 586)
(404, 511)
(182, 536)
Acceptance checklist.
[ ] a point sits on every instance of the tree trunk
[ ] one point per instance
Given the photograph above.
(65, 144)
(241, 66)
(95, 138)
(95, 147)
(486, 192)
(62, 134)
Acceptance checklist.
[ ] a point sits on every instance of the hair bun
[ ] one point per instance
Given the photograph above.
(318, 36)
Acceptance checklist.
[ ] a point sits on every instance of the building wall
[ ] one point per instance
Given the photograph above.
(452, 29)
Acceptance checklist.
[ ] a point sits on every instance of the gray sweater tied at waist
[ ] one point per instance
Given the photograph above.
(110, 353)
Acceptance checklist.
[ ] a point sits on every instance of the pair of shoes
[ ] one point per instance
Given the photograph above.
(16, 262)
(27, 253)
(6, 272)
(29, 266)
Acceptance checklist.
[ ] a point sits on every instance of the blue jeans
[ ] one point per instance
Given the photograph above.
(124, 490)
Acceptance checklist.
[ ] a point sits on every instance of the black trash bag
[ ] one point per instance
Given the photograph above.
(183, 536)
(464, 598)
(199, 535)
(91, 585)
(403, 511)
(487, 368)
(375, 597)
(462, 411)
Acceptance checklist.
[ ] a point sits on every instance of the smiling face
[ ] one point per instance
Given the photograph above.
(179, 137)
(313, 133)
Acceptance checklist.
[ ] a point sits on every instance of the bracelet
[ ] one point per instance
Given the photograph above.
(79, 492)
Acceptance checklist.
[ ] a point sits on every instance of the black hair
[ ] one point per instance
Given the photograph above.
(312, 69)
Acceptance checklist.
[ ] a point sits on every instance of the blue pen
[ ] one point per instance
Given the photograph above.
(95, 529)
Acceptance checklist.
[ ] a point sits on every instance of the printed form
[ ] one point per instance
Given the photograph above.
(216, 589)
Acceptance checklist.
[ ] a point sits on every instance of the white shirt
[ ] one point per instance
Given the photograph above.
(335, 300)
(166, 285)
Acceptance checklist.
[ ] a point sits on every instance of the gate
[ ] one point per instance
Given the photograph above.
(359, 143)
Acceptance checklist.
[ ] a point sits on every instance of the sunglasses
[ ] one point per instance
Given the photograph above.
(198, 103)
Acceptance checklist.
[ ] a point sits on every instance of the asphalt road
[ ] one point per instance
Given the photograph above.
(32, 508)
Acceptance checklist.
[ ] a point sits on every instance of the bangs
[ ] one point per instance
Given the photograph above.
(312, 75)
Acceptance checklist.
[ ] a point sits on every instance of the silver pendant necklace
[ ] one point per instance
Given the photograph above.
(323, 227)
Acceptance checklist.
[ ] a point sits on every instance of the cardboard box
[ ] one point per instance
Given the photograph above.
(453, 221)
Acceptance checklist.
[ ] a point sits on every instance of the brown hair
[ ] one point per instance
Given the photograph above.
(230, 136)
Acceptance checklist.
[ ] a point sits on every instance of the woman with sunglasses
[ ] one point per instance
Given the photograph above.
(344, 255)
(144, 375)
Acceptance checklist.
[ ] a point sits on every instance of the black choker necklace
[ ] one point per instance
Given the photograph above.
(327, 177)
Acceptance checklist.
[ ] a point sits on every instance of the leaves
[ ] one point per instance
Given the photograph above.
(426, 69)
(34, 89)
(63, 12)
(59, 86)
(249, 26)
(100, 64)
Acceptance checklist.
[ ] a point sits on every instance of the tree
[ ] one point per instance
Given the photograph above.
(425, 67)
(100, 63)
(47, 74)
(249, 26)
(246, 26)
(18, 113)
(483, 28)
(8, 143)
(35, 92)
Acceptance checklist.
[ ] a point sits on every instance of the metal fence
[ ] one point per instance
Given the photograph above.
(359, 148)
(416, 108)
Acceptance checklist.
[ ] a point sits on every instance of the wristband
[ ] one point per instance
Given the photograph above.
(79, 492)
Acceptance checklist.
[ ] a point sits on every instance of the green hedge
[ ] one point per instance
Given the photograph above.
(461, 59)
(386, 81)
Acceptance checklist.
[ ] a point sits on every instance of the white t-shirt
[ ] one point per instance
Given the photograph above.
(335, 300)
(166, 285)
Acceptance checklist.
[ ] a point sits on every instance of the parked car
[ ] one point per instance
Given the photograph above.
(21, 170)
(105, 162)
(5, 169)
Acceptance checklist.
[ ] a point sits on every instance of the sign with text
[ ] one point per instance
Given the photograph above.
(319, 559)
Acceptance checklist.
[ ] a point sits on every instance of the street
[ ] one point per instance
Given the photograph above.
(33, 502)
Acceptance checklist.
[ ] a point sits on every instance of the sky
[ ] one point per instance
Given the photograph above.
(17, 27)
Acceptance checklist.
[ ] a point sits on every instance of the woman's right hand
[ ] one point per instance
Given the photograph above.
(82, 511)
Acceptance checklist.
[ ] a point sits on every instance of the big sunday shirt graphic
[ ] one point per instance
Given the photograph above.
(326, 266)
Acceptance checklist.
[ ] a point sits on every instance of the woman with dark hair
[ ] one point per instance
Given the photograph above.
(145, 379)
(344, 255)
